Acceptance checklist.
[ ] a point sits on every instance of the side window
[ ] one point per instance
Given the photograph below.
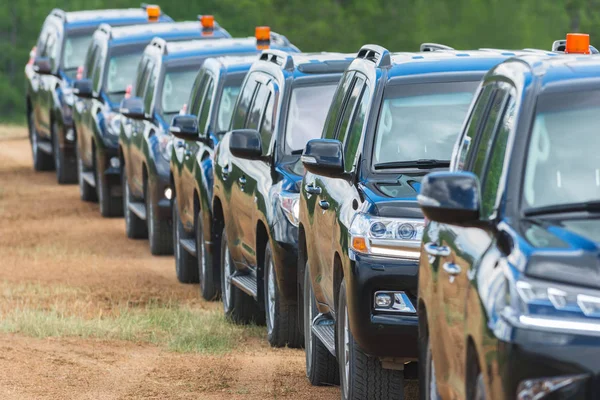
(143, 79)
(206, 104)
(197, 93)
(336, 105)
(149, 93)
(99, 68)
(465, 145)
(355, 130)
(90, 59)
(484, 139)
(241, 110)
(41, 43)
(140, 77)
(267, 125)
(494, 171)
(349, 108)
(51, 47)
(256, 112)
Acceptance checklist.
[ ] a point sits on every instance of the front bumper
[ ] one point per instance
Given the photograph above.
(531, 355)
(382, 334)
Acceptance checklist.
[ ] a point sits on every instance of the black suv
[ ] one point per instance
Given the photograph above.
(110, 68)
(394, 118)
(211, 105)
(165, 78)
(283, 103)
(59, 52)
(509, 279)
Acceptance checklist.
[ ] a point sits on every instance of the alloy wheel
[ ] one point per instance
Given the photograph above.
(227, 280)
(271, 297)
(346, 354)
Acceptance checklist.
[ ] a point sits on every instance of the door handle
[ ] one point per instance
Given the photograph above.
(437, 251)
(225, 172)
(312, 189)
(451, 269)
(180, 145)
(324, 204)
(188, 153)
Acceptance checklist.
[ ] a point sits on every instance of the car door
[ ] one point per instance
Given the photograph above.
(97, 103)
(48, 82)
(37, 81)
(252, 173)
(312, 190)
(334, 192)
(90, 107)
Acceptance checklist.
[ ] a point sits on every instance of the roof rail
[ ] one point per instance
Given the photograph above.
(59, 13)
(281, 58)
(106, 29)
(379, 55)
(159, 44)
(434, 47)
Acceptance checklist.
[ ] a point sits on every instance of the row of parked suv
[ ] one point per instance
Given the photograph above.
(377, 209)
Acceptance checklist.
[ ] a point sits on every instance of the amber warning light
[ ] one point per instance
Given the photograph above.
(153, 12)
(263, 37)
(578, 43)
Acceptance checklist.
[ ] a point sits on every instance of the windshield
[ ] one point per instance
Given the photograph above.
(228, 98)
(421, 121)
(176, 88)
(562, 164)
(308, 110)
(121, 72)
(74, 53)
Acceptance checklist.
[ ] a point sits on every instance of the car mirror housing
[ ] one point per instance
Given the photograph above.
(246, 143)
(83, 88)
(451, 198)
(324, 157)
(133, 108)
(185, 127)
(42, 66)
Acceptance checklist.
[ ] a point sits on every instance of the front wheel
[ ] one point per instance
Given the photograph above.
(159, 230)
(86, 191)
(362, 376)
(110, 206)
(185, 264)
(135, 227)
(209, 280)
(41, 160)
(427, 379)
(66, 170)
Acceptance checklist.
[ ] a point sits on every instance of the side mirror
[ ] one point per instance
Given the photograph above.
(451, 198)
(133, 108)
(42, 66)
(185, 127)
(246, 143)
(324, 157)
(83, 88)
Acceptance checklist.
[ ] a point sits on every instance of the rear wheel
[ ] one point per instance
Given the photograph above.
(281, 316)
(159, 230)
(209, 284)
(86, 191)
(321, 365)
(110, 206)
(66, 170)
(362, 376)
(135, 227)
(41, 160)
(185, 264)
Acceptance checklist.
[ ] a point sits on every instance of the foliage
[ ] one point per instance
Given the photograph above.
(317, 25)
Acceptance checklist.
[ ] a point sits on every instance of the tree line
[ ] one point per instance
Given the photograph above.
(317, 25)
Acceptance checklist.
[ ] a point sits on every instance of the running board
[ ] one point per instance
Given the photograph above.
(189, 245)
(324, 330)
(89, 178)
(247, 283)
(139, 209)
(45, 147)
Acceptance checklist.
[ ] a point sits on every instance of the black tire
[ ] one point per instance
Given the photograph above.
(66, 169)
(210, 287)
(110, 206)
(237, 305)
(321, 365)
(159, 230)
(365, 377)
(86, 191)
(135, 227)
(427, 382)
(280, 315)
(41, 160)
(185, 264)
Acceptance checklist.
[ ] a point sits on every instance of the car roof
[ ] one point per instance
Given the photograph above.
(230, 64)
(304, 64)
(90, 18)
(145, 32)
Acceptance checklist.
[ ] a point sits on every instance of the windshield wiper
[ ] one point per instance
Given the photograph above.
(421, 164)
(589, 206)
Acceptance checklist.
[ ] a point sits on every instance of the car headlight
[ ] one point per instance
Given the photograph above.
(113, 123)
(389, 237)
(555, 307)
(165, 146)
(290, 205)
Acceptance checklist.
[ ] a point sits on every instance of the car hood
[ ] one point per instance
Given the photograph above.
(563, 249)
(394, 197)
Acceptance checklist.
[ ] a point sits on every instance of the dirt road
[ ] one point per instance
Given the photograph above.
(86, 313)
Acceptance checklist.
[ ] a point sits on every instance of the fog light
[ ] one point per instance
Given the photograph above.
(168, 193)
(383, 300)
(114, 162)
(540, 388)
(394, 302)
(70, 135)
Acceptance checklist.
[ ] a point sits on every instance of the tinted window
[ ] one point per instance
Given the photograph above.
(562, 156)
(336, 105)
(206, 104)
(349, 108)
(355, 130)
(306, 114)
(484, 140)
(241, 111)
(52, 48)
(197, 93)
(421, 121)
(267, 125)
(150, 86)
(176, 88)
(258, 105)
(479, 109)
(90, 60)
(98, 68)
(226, 104)
(75, 51)
(140, 86)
